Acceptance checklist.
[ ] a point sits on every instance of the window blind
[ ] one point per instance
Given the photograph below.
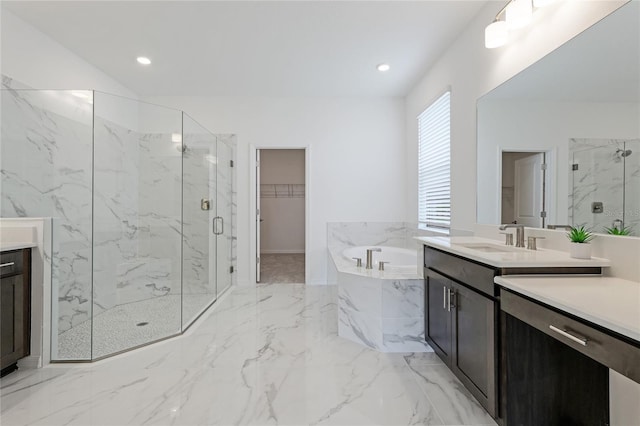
(434, 172)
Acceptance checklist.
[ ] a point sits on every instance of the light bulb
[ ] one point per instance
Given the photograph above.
(496, 34)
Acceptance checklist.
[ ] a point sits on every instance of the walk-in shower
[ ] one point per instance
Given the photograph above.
(136, 257)
(605, 184)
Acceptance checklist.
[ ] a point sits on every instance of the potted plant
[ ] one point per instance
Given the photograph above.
(580, 247)
(618, 231)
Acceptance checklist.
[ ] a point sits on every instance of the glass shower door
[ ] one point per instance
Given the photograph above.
(199, 211)
(224, 198)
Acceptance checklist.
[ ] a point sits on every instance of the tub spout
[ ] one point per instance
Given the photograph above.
(370, 257)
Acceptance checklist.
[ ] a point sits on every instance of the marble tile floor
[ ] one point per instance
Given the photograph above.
(117, 329)
(262, 356)
(282, 268)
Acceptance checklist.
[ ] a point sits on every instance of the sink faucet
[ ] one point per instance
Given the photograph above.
(519, 233)
(370, 257)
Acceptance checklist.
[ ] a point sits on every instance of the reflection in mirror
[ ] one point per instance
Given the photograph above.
(605, 182)
(585, 92)
(523, 188)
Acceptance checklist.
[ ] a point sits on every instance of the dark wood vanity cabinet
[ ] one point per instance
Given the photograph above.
(15, 303)
(461, 322)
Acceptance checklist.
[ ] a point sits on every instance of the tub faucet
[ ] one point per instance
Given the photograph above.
(370, 257)
(519, 233)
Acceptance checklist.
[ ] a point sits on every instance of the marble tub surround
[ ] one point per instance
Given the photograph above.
(347, 265)
(264, 355)
(515, 257)
(385, 315)
(612, 303)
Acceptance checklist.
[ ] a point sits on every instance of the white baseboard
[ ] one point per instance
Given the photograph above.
(29, 362)
(282, 251)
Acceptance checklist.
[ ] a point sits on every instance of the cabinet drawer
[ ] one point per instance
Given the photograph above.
(12, 263)
(604, 348)
(467, 272)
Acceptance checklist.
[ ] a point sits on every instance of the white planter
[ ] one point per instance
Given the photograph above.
(580, 250)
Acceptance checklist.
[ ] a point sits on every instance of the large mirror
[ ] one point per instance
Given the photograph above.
(559, 143)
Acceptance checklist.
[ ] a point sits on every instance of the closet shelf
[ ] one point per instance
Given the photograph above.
(282, 190)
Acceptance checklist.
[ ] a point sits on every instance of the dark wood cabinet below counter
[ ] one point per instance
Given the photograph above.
(15, 307)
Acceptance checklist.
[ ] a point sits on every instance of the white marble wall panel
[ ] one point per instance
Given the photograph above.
(402, 298)
(160, 206)
(386, 315)
(46, 172)
(349, 234)
(116, 225)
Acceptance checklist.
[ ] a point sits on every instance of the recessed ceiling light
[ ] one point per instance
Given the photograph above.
(143, 60)
(383, 67)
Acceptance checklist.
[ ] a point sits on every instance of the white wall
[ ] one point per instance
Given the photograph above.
(356, 154)
(471, 70)
(34, 59)
(282, 230)
(516, 125)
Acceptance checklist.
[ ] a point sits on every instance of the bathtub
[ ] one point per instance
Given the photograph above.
(400, 259)
(383, 310)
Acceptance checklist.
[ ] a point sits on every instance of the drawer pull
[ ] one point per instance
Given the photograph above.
(2, 265)
(580, 340)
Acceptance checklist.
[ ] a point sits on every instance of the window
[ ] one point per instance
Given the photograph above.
(434, 172)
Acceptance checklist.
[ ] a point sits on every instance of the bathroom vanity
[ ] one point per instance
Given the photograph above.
(463, 320)
(15, 309)
(560, 336)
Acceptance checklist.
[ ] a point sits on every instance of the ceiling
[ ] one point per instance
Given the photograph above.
(255, 48)
(602, 64)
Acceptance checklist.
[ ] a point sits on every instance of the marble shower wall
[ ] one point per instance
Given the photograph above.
(603, 175)
(46, 162)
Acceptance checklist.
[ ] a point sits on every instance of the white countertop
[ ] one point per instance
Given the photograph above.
(612, 303)
(514, 258)
(7, 246)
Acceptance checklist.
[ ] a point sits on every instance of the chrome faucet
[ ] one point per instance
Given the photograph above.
(370, 257)
(519, 233)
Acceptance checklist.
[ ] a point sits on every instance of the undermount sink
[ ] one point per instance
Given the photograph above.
(488, 248)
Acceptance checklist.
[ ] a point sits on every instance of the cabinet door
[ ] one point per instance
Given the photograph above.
(437, 314)
(474, 350)
(11, 317)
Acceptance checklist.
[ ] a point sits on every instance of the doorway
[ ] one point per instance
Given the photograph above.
(524, 188)
(280, 221)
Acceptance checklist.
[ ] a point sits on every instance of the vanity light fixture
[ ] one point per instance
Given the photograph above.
(519, 14)
(496, 34)
(383, 67)
(514, 15)
(143, 60)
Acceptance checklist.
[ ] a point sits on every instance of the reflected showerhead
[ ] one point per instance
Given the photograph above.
(623, 152)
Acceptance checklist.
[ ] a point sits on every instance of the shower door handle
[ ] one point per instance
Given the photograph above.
(216, 220)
